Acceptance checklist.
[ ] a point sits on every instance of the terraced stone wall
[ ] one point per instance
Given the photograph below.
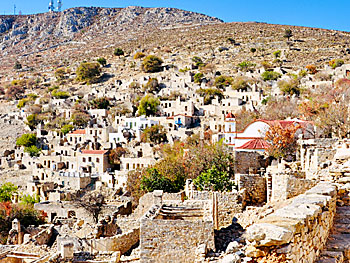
(298, 231)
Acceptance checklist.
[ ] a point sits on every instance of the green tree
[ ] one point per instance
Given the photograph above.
(270, 75)
(80, 119)
(118, 52)
(17, 65)
(336, 63)
(153, 180)
(277, 53)
(33, 151)
(102, 61)
(290, 87)
(152, 85)
(223, 81)
(100, 103)
(32, 121)
(246, 66)
(253, 50)
(6, 192)
(23, 102)
(209, 94)
(115, 155)
(148, 105)
(288, 34)
(198, 78)
(67, 128)
(214, 180)
(88, 72)
(198, 62)
(26, 140)
(58, 94)
(152, 64)
(155, 134)
(30, 199)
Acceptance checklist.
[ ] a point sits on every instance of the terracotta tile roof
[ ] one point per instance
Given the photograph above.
(230, 116)
(94, 151)
(78, 132)
(256, 144)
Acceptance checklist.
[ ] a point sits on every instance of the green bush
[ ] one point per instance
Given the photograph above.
(22, 103)
(270, 75)
(58, 94)
(52, 88)
(102, 61)
(155, 134)
(277, 53)
(88, 72)
(198, 62)
(32, 121)
(152, 64)
(80, 119)
(17, 65)
(6, 192)
(214, 180)
(139, 55)
(67, 128)
(151, 86)
(246, 66)
(33, 151)
(27, 139)
(148, 105)
(241, 83)
(336, 63)
(198, 78)
(30, 199)
(153, 180)
(100, 103)
(118, 52)
(223, 81)
(289, 87)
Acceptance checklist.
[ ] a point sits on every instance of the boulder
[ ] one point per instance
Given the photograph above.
(264, 234)
(231, 258)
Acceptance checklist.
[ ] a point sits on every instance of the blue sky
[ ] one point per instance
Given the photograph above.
(330, 14)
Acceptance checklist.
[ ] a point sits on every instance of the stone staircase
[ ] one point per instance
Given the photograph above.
(337, 249)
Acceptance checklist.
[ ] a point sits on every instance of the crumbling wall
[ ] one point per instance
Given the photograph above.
(285, 186)
(169, 240)
(255, 185)
(298, 231)
(227, 204)
(122, 242)
(249, 162)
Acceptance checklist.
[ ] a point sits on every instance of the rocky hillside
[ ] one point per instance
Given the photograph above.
(32, 33)
(44, 42)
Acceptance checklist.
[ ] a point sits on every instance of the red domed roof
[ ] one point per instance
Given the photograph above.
(230, 116)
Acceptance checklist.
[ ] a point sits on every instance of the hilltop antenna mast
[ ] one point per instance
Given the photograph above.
(51, 6)
(59, 5)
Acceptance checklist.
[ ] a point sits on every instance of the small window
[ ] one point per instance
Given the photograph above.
(84, 160)
(97, 160)
(89, 159)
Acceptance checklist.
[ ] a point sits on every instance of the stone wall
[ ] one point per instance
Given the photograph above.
(298, 231)
(227, 204)
(122, 242)
(316, 154)
(255, 186)
(169, 240)
(285, 186)
(249, 161)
